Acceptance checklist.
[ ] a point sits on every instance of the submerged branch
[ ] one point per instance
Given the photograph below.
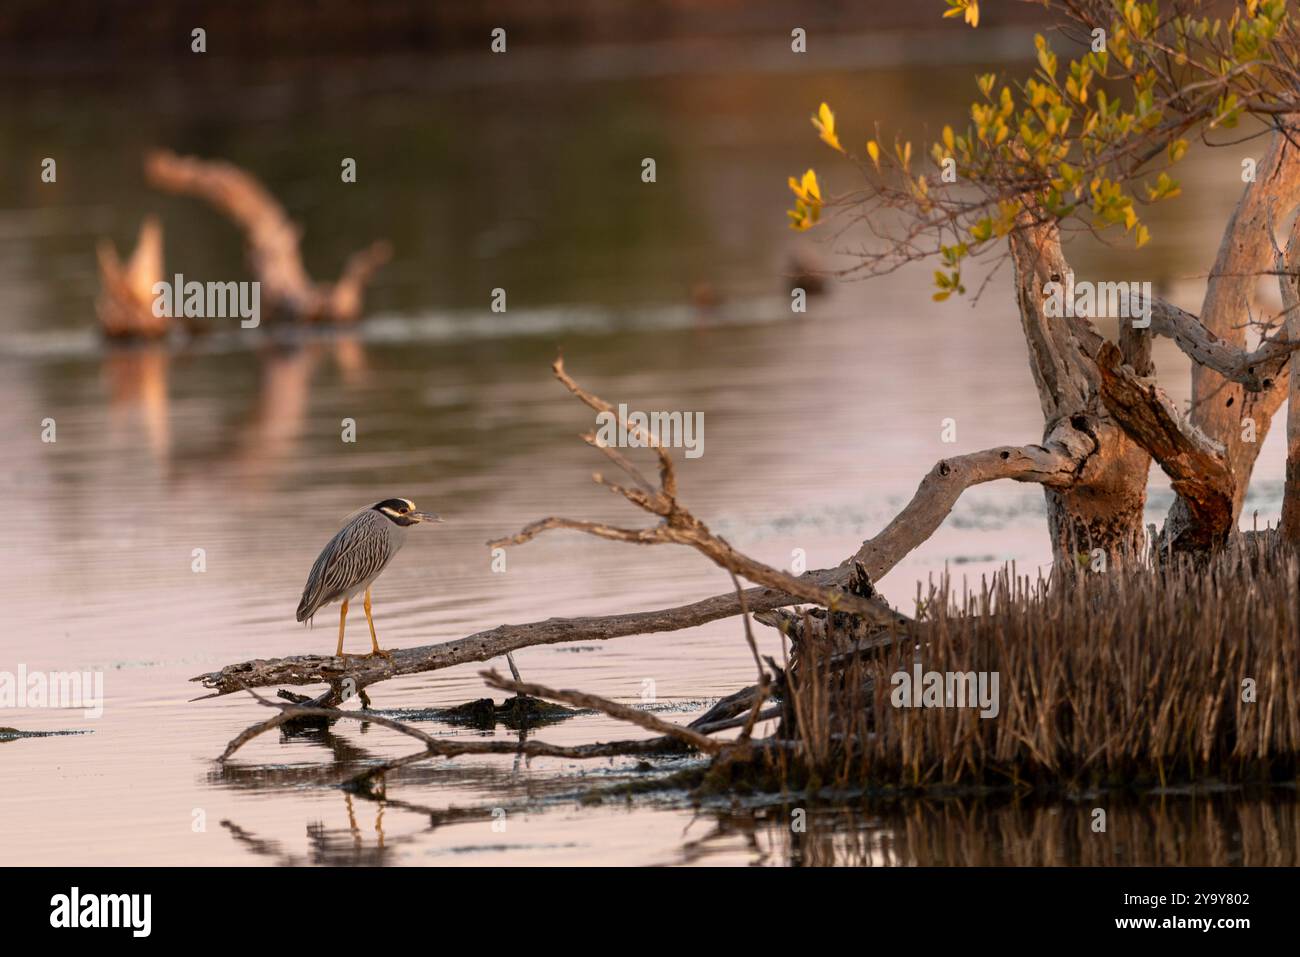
(434, 746)
(623, 712)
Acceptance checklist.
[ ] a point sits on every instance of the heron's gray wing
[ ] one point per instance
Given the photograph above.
(357, 552)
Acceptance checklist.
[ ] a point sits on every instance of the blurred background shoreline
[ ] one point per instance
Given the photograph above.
(34, 33)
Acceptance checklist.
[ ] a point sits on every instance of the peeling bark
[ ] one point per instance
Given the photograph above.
(1288, 267)
(1195, 463)
(1220, 406)
(1056, 464)
(1256, 371)
(1103, 507)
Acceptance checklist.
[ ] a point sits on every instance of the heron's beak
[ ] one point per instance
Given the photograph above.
(426, 517)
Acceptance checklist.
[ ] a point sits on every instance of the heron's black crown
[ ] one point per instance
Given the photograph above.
(396, 510)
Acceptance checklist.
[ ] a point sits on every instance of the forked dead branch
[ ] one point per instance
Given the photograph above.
(676, 525)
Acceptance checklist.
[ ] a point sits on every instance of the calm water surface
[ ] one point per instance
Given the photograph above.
(817, 429)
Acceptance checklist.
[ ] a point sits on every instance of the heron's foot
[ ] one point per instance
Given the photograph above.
(379, 653)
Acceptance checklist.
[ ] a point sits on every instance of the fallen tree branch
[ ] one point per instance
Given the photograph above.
(434, 747)
(1050, 464)
(1055, 464)
(726, 709)
(623, 712)
(492, 643)
(932, 502)
(749, 720)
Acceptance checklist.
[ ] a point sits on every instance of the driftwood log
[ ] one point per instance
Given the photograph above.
(272, 238)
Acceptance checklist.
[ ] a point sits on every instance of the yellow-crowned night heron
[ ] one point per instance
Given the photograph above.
(355, 556)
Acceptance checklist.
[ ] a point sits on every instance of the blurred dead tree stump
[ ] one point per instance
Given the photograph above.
(125, 303)
(272, 238)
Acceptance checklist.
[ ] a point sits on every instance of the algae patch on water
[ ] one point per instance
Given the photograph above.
(13, 734)
(515, 713)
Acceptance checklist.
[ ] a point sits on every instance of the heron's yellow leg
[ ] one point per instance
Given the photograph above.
(343, 617)
(374, 640)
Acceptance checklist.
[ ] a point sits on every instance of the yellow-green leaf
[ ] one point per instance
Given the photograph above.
(824, 122)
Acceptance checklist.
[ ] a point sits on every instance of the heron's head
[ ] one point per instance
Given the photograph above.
(402, 511)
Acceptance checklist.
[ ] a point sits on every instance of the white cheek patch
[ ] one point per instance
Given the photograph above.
(389, 512)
